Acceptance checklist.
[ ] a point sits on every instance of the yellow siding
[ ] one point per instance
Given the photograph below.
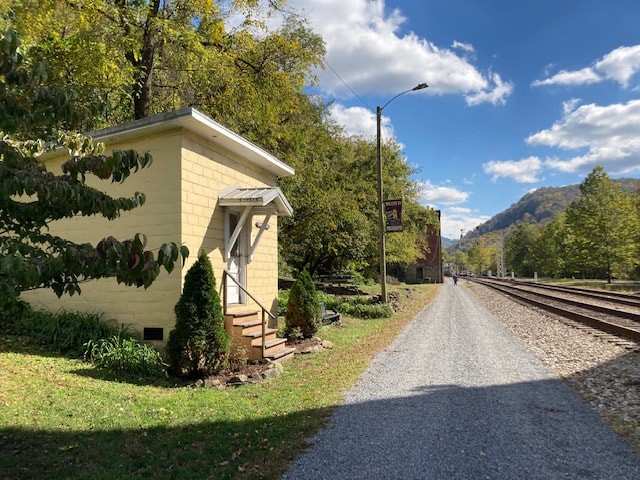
(181, 187)
(158, 218)
(207, 170)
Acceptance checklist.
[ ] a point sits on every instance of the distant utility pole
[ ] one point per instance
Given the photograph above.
(500, 257)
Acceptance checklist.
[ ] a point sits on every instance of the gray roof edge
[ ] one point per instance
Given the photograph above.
(140, 123)
(180, 117)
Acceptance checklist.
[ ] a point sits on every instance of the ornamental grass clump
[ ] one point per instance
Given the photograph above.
(126, 356)
(199, 345)
(67, 331)
(304, 314)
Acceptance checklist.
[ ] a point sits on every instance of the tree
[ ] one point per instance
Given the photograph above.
(603, 224)
(199, 345)
(31, 198)
(520, 248)
(551, 252)
(145, 57)
(303, 309)
(482, 255)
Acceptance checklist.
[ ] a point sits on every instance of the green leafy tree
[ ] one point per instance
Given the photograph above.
(145, 57)
(199, 345)
(603, 224)
(551, 249)
(520, 249)
(31, 197)
(303, 309)
(482, 255)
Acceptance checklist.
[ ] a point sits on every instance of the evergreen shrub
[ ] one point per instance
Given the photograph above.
(303, 309)
(199, 345)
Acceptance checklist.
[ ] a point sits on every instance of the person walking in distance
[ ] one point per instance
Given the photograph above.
(455, 279)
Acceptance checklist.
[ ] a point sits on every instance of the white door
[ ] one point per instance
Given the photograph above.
(235, 263)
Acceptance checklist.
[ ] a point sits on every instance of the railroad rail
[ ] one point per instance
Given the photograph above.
(610, 314)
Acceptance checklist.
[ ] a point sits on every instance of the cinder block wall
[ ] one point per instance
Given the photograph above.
(181, 188)
(208, 169)
(158, 218)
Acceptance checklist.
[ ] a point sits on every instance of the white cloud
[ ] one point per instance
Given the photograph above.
(564, 77)
(497, 94)
(438, 194)
(522, 171)
(358, 121)
(458, 210)
(366, 47)
(610, 135)
(619, 65)
(454, 221)
(570, 105)
(467, 47)
(454, 216)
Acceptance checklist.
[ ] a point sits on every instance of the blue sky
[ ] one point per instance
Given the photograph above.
(521, 94)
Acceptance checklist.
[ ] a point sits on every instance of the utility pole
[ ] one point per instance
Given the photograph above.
(500, 257)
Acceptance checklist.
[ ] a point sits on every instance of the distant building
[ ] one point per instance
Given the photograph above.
(428, 268)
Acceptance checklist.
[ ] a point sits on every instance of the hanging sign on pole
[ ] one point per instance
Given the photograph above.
(393, 215)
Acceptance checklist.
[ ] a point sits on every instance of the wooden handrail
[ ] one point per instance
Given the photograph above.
(225, 275)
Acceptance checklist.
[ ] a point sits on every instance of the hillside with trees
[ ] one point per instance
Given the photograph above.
(541, 206)
(589, 230)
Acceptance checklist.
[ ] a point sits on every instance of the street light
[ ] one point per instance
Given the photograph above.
(383, 261)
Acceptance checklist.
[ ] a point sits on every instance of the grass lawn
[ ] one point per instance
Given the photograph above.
(61, 418)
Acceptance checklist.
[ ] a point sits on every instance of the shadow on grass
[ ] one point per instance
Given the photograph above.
(107, 376)
(226, 449)
(530, 429)
(27, 346)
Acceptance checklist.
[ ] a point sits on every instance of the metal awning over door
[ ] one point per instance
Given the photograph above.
(253, 201)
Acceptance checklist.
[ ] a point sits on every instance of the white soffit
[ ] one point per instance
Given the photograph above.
(256, 197)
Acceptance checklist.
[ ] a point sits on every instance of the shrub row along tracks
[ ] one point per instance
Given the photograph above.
(457, 396)
(613, 313)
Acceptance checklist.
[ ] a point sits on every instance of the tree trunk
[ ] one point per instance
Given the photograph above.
(142, 87)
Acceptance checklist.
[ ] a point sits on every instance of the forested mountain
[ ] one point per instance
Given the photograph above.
(540, 206)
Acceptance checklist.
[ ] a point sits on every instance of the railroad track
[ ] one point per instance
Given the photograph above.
(619, 317)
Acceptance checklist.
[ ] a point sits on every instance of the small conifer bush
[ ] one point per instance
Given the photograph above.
(199, 345)
(303, 309)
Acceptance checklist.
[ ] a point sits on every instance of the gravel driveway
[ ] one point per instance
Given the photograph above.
(456, 396)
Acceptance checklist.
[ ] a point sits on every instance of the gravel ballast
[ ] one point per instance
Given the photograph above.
(605, 374)
(456, 395)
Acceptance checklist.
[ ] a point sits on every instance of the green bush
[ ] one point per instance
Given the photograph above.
(303, 308)
(66, 331)
(283, 300)
(357, 306)
(12, 314)
(199, 345)
(374, 310)
(124, 355)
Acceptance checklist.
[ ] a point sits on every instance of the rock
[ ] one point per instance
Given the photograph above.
(327, 344)
(212, 383)
(238, 379)
(272, 372)
(255, 378)
(199, 383)
(316, 339)
(311, 349)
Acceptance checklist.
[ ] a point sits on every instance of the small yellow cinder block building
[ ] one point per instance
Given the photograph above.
(207, 188)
